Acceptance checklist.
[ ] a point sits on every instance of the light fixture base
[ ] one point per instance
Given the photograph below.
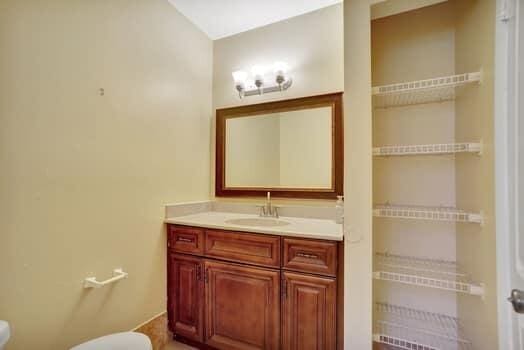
(268, 89)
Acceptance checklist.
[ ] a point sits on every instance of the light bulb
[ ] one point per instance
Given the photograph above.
(280, 68)
(258, 71)
(239, 77)
(258, 74)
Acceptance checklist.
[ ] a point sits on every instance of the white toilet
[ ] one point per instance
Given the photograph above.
(117, 341)
(5, 333)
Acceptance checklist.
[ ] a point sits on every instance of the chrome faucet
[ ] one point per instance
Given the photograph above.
(268, 210)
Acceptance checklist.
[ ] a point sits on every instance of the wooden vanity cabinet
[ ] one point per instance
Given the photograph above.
(276, 293)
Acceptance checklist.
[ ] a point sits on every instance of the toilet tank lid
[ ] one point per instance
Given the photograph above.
(5, 332)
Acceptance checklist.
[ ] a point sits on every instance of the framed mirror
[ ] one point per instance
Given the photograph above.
(292, 148)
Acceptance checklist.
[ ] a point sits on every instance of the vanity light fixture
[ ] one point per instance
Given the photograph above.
(258, 84)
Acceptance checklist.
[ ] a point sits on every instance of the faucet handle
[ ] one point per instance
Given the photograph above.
(262, 210)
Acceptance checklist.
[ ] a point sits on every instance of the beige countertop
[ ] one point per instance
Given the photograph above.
(296, 227)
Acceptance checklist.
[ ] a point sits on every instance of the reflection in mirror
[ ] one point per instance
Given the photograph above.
(289, 149)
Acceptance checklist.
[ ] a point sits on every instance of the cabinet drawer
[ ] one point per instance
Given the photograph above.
(185, 239)
(310, 256)
(243, 247)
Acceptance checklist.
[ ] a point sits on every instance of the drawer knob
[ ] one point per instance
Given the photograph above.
(185, 239)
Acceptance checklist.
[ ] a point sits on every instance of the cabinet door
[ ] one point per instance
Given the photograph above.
(242, 307)
(185, 290)
(308, 312)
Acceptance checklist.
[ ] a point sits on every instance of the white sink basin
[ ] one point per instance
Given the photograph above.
(269, 222)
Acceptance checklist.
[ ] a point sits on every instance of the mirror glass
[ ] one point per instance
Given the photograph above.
(286, 149)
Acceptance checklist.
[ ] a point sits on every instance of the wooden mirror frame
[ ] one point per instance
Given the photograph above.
(333, 100)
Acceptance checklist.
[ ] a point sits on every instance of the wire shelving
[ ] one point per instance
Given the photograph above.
(422, 272)
(422, 91)
(414, 329)
(426, 213)
(429, 149)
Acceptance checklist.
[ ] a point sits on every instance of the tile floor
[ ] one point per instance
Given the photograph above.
(177, 346)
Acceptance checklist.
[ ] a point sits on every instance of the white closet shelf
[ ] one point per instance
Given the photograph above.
(426, 213)
(422, 91)
(430, 273)
(430, 149)
(411, 329)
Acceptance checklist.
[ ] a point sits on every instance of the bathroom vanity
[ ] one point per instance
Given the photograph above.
(231, 289)
(244, 276)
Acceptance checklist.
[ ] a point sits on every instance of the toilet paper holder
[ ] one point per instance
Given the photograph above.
(92, 282)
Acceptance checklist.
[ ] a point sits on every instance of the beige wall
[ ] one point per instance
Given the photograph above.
(475, 35)
(387, 8)
(425, 39)
(83, 177)
(312, 44)
(457, 36)
(357, 176)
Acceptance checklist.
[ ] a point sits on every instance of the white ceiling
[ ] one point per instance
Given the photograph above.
(221, 18)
